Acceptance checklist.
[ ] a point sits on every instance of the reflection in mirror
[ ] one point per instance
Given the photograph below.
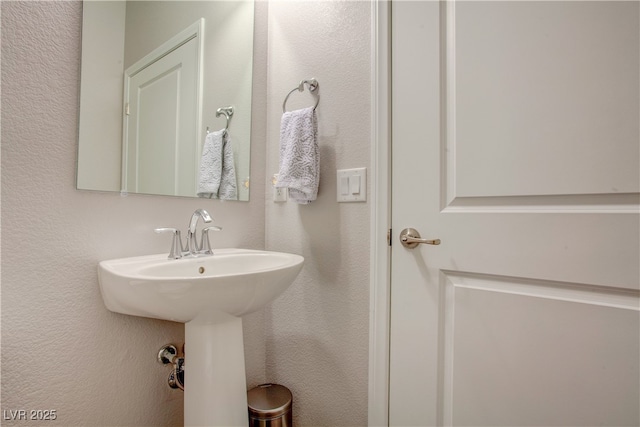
(154, 76)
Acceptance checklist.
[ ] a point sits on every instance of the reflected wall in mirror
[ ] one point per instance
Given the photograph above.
(154, 74)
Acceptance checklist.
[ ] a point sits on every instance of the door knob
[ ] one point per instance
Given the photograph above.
(410, 238)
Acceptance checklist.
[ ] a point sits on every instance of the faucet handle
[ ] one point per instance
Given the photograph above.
(176, 243)
(204, 240)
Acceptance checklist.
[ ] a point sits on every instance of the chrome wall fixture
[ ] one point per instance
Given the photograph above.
(227, 112)
(313, 86)
(169, 355)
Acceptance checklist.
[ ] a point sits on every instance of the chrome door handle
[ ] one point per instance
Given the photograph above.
(410, 238)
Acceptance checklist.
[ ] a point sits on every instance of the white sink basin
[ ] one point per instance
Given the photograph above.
(233, 281)
(208, 294)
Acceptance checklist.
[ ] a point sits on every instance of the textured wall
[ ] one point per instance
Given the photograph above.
(317, 332)
(61, 349)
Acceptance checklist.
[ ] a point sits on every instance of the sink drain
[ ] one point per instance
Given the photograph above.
(201, 270)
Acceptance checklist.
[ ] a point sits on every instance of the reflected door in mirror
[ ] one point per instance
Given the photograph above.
(162, 119)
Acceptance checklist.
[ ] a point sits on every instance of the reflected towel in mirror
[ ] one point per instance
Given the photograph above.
(299, 155)
(217, 177)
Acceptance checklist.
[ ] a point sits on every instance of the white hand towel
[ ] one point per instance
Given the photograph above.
(217, 177)
(299, 156)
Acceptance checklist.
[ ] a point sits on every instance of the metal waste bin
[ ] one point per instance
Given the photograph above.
(270, 406)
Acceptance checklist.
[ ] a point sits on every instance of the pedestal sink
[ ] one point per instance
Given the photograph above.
(208, 294)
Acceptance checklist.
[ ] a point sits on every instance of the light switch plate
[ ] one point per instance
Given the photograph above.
(352, 185)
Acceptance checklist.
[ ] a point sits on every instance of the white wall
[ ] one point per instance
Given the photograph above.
(61, 348)
(317, 332)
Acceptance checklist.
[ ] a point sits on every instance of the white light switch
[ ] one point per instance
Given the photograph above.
(344, 185)
(352, 185)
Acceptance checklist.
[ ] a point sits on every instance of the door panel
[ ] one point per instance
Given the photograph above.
(535, 88)
(541, 353)
(155, 117)
(515, 141)
(161, 128)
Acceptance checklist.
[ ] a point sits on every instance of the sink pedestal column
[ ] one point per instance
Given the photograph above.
(215, 392)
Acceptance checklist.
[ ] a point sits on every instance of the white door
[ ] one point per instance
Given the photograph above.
(162, 120)
(516, 142)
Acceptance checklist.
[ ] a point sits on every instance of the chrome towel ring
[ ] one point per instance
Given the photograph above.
(227, 112)
(312, 84)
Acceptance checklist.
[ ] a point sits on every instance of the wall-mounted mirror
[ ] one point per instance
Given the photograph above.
(160, 81)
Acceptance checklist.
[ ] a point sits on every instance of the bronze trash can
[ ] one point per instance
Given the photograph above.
(270, 406)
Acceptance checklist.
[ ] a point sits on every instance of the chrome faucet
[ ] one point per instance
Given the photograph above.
(192, 248)
(192, 242)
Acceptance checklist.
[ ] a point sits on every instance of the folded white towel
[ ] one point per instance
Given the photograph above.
(217, 177)
(299, 156)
